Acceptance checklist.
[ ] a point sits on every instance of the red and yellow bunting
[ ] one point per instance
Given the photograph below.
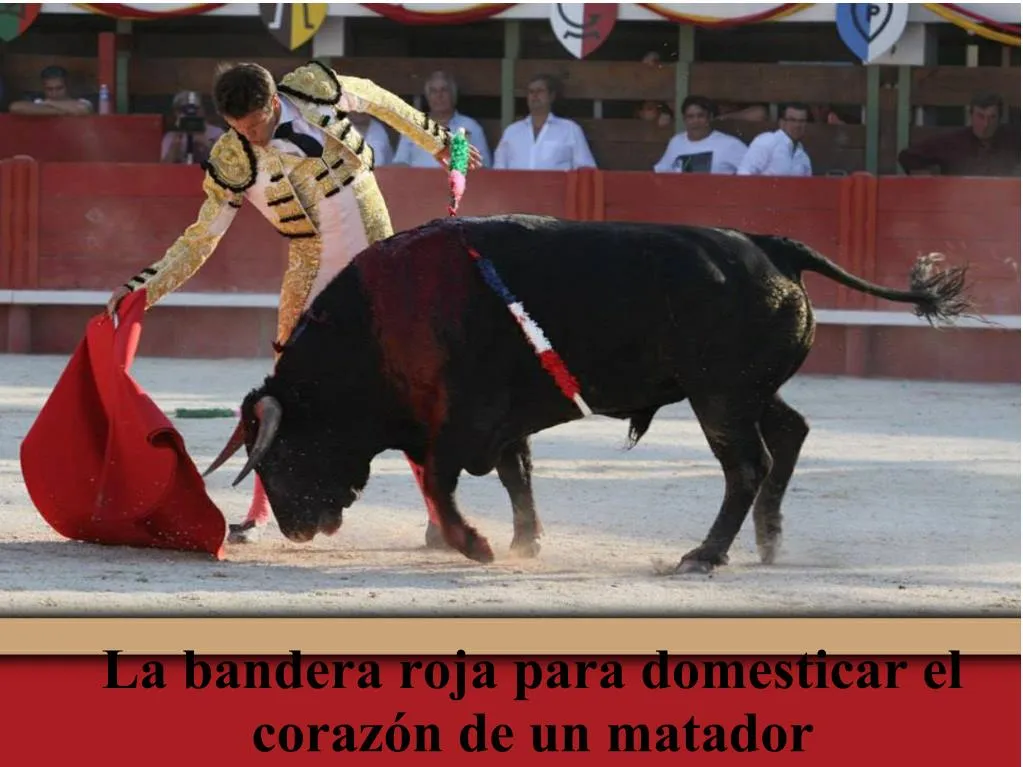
(135, 13)
(771, 14)
(964, 18)
(455, 14)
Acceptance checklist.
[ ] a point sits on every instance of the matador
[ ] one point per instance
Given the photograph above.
(293, 153)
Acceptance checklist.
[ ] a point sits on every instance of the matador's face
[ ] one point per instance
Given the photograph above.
(258, 126)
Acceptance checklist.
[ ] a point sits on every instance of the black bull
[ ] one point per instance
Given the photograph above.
(408, 348)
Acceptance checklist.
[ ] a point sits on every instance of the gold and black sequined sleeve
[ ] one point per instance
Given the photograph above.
(361, 95)
(193, 247)
(230, 171)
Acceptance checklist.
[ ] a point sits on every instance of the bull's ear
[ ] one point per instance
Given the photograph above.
(269, 412)
(233, 445)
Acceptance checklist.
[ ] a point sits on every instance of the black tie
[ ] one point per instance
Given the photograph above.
(307, 144)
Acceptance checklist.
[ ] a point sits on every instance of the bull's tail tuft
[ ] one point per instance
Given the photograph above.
(941, 293)
(938, 295)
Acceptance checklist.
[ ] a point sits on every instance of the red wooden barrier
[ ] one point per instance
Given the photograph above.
(417, 195)
(116, 218)
(110, 138)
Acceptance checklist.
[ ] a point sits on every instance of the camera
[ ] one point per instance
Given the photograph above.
(189, 120)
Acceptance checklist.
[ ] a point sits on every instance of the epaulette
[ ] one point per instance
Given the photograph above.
(232, 163)
(314, 82)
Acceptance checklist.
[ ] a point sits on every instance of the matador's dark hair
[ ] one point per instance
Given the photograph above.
(241, 89)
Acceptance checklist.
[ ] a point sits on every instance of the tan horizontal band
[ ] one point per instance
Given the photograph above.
(510, 636)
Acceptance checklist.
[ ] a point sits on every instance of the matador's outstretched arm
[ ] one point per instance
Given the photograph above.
(361, 95)
(192, 248)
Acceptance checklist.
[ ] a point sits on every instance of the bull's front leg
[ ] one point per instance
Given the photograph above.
(515, 469)
(439, 482)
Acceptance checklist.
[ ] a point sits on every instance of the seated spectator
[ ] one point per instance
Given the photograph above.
(825, 114)
(376, 136)
(191, 138)
(655, 111)
(780, 152)
(543, 141)
(700, 149)
(985, 148)
(441, 93)
(56, 99)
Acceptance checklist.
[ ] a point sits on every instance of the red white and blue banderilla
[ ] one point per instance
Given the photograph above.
(549, 358)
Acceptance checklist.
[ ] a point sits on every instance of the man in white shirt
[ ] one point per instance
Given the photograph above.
(780, 152)
(700, 149)
(441, 93)
(543, 141)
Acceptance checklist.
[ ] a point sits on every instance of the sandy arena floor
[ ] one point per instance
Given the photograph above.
(906, 502)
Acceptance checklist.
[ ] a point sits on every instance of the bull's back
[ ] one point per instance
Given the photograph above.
(624, 274)
(618, 298)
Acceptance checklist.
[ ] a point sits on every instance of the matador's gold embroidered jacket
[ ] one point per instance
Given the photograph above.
(287, 189)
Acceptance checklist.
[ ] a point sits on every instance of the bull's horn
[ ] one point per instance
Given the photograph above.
(268, 411)
(233, 444)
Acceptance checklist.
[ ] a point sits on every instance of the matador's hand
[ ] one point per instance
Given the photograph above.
(115, 299)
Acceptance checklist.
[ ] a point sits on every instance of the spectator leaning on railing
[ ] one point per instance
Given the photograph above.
(56, 99)
(700, 148)
(984, 148)
(780, 152)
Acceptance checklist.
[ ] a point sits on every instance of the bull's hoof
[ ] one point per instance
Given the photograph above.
(246, 532)
(768, 550)
(525, 547)
(435, 538)
(474, 546)
(479, 549)
(466, 541)
(700, 561)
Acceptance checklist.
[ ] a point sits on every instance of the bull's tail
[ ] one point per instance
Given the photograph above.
(938, 294)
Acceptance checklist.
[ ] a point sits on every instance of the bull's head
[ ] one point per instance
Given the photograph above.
(309, 474)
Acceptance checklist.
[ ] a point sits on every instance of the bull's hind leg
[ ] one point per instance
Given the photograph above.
(440, 480)
(515, 469)
(784, 432)
(730, 425)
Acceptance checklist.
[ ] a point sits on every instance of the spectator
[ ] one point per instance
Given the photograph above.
(655, 111)
(377, 137)
(985, 148)
(780, 152)
(700, 148)
(825, 114)
(56, 100)
(441, 93)
(543, 141)
(191, 138)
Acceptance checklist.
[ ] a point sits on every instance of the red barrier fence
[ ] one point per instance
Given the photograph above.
(124, 138)
(71, 232)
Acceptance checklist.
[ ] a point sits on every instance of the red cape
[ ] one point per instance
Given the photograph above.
(103, 464)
